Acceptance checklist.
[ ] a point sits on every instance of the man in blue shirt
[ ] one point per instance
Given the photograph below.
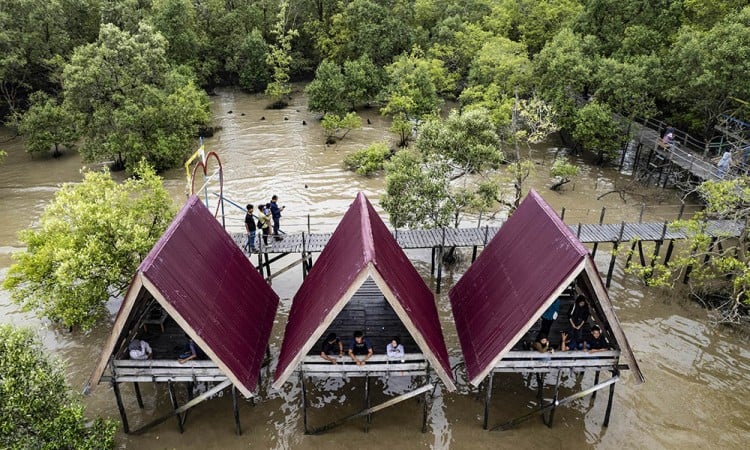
(276, 214)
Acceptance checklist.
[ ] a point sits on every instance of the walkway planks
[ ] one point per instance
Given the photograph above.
(471, 237)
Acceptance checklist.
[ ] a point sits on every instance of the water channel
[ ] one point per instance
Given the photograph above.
(697, 374)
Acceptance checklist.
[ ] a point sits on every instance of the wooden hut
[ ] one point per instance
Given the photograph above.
(194, 284)
(533, 260)
(364, 281)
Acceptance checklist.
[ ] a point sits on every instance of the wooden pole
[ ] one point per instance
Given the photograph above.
(658, 244)
(304, 402)
(601, 221)
(120, 407)
(682, 210)
(432, 262)
(562, 215)
(235, 407)
(367, 403)
(173, 399)
(487, 400)
(670, 247)
(609, 401)
(615, 246)
(640, 216)
(138, 395)
(304, 252)
(551, 418)
(596, 381)
(578, 232)
(440, 264)
(474, 254)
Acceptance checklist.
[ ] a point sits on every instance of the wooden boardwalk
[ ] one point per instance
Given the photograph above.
(685, 152)
(479, 237)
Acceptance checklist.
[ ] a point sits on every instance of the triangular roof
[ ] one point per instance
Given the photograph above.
(525, 267)
(362, 247)
(206, 284)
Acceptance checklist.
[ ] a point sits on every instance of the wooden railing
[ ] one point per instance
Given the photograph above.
(410, 364)
(533, 361)
(163, 370)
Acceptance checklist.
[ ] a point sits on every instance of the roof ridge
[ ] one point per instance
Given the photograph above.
(368, 241)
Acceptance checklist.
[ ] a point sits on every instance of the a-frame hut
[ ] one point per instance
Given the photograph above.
(533, 260)
(364, 281)
(195, 283)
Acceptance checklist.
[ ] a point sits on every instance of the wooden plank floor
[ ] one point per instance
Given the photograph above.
(371, 313)
(470, 237)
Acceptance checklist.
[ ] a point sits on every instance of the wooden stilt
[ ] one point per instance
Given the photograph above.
(235, 407)
(267, 264)
(487, 400)
(596, 381)
(474, 254)
(669, 172)
(641, 255)
(120, 407)
(368, 417)
(670, 247)
(440, 264)
(615, 245)
(173, 399)
(630, 254)
(550, 420)
(432, 262)
(710, 249)
(658, 244)
(304, 266)
(609, 402)
(562, 214)
(539, 387)
(138, 397)
(304, 402)
(424, 409)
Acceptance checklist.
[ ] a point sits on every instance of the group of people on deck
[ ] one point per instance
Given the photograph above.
(267, 217)
(572, 335)
(359, 350)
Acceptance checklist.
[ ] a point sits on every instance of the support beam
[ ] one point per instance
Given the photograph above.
(512, 423)
(551, 418)
(138, 397)
(173, 399)
(197, 400)
(374, 409)
(487, 400)
(607, 414)
(120, 407)
(235, 407)
(304, 402)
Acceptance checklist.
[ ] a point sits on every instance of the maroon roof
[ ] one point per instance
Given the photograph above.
(208, 286)
(362, 247)
(528, 263)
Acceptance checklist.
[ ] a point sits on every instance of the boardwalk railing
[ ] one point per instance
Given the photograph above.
(533, 361)
(377, 365)
(164, 370)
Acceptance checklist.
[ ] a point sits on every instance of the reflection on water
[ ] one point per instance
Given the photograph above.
(697, 374)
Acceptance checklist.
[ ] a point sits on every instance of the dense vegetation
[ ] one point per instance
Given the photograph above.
(37, 408)
(89, 241)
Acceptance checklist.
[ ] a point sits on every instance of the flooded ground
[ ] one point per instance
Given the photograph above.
(697, 374)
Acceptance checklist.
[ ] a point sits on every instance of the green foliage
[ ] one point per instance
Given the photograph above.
(596, 129)
(563, 172)
(129, 103)
(47, 124)
(627, 87)
(429, 186)
(705, 68)
(37, 409)
(540, 20)
(334, 125)
(720, 267)
(88, 243)
(368, 160)
(280, 57)
(251, 62)
(326, 93)
(2, 156)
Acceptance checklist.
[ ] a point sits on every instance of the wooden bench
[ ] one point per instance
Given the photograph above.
(155, 316)
(411, 364)
(163, 370)
(533, 361)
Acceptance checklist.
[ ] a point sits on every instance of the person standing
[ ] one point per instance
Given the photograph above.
(264, 223)
(549, 317)
(578, 316)
(724, 164)
(276, 214)
(250, 229)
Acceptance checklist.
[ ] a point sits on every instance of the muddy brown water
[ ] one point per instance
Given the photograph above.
(697, 374)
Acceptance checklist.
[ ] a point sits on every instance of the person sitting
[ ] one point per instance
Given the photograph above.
(578, 316)
(542, 344)
(192, 351)
(597, 342)
(139, 349)
(395, 350)
(360, 347)
(564, 341)
(332, 347)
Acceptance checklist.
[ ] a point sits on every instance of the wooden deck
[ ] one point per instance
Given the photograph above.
(471, 237)
(578, 361)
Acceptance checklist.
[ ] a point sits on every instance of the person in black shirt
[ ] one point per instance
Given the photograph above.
(360, 346)
(331, 348)
(597, 342)
(250, 228)
(578, 316)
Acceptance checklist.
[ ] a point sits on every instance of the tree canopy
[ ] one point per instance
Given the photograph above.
(37, 408)
(89, 241)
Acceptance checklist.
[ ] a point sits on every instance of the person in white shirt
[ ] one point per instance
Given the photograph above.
(395, 350)
(139, 349)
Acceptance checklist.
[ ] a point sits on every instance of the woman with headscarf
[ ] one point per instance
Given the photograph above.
(724, 163)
